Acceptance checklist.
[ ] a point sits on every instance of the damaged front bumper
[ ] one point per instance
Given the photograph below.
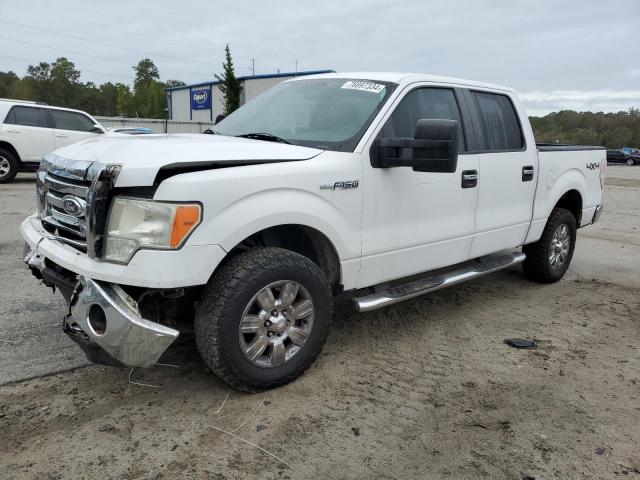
(104, 320)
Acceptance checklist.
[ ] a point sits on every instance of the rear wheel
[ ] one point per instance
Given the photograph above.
(9, 166)
(264, 318)
(548, 259)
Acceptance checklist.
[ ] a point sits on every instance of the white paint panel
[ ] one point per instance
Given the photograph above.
(180, 104)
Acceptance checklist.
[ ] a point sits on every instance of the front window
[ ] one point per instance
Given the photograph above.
(331, 113)
(65, 120)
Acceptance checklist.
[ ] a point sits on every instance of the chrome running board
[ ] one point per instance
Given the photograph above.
(398, 293)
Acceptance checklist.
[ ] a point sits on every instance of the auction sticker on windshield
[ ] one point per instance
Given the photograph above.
(364, 86)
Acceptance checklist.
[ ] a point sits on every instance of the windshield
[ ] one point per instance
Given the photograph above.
(331, 114)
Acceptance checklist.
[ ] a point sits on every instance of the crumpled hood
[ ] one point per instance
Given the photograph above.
(142, 156)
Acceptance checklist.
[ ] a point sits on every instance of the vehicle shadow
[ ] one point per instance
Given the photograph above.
(182, 368)
(24, 178)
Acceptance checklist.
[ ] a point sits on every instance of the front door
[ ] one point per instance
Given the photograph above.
(414, 221)
(71, 127)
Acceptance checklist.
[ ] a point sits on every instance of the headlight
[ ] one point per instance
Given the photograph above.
(135, 224)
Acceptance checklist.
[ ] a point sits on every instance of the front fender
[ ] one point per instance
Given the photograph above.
(270, 208)
(238, 202)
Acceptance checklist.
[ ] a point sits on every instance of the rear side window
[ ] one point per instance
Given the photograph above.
(27, 116)
(71, 121)
(423, 103)
(500, 128)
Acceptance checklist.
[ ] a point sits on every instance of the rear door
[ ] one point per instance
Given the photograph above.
(28, 130)
(71, 127)
(507, 173)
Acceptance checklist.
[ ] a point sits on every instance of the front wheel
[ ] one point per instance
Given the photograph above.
(630, 162)
(263, 318)
(548, 259)
(9, 166)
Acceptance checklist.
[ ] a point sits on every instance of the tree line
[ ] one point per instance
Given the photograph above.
(612, 130)
(59, 84)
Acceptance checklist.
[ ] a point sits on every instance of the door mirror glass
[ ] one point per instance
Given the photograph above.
(434, 148)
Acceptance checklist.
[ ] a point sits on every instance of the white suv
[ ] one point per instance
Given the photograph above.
(29, 130)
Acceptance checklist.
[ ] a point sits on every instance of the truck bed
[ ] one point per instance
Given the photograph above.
(564, 168)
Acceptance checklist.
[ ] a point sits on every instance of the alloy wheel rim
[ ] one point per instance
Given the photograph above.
(5, 166)
(560, 243)
(629, 161)
(276, 324)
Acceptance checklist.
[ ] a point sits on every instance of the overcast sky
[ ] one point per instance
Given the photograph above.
(578, 54)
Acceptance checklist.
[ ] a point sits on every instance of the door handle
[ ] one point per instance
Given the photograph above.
(527, 173)
(14, 131)
(61, 135)
(469, 178)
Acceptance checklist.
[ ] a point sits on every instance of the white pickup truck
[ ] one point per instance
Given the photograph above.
(386, 186)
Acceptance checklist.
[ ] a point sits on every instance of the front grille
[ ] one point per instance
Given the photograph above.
(73, 199)
(64, 210)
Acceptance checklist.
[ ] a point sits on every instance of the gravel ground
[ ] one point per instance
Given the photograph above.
(424, 389)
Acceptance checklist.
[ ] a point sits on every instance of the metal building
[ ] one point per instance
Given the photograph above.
(203, 102)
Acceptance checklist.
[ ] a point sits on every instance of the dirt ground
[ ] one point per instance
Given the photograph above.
(424, 389)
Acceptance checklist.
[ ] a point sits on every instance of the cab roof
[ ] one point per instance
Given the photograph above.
(405, 78)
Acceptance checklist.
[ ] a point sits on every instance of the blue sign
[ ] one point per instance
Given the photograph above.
(201, 99)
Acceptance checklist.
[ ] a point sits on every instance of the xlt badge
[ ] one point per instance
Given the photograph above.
(342, 185)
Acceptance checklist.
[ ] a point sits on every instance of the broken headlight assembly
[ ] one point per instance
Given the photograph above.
(135, 224)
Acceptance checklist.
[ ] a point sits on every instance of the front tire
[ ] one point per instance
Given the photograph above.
(263, 318)
(9, 166)
(630, 162)
(548, 259)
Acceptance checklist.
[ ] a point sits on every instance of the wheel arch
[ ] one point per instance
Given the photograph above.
(302, 239)
(571, 200)
(10, 148)
(568, 191)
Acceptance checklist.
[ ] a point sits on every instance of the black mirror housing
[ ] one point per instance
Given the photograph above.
(434, 148)
(441, 153)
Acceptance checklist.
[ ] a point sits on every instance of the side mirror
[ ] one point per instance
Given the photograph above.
(434, 148)
(97, 129)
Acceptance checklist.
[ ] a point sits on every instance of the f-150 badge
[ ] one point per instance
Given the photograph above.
(343, 185)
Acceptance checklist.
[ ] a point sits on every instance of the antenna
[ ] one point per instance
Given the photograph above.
(296, 67)
(253, 66)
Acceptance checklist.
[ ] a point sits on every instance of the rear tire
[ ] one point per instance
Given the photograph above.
(263, 318)
(9, 166)
(548, 259)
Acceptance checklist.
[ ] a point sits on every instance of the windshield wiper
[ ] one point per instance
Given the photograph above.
(264, 136)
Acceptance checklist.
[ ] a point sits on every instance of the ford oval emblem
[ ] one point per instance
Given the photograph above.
(73, 206)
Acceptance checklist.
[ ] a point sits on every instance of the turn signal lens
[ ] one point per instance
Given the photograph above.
(187, 217)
